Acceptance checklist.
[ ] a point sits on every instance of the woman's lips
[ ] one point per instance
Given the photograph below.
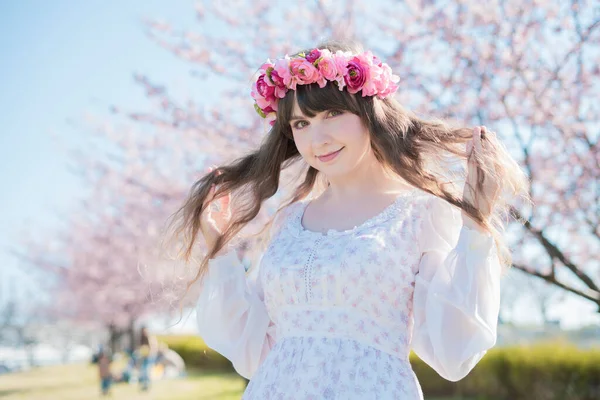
(330, 156)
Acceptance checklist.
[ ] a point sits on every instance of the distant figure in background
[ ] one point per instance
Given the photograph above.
(172, 363)
(104, 361)
(146, 353)
(127, 373)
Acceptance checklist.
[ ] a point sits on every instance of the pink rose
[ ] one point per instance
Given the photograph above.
(280, 89)
(327, 68)
(313, 56)
(282, 69)
(263, 68)
(266, 109)
(374, 82)
(276, 79)
(386, 83)
(265, 90)
(304, 71)
(261, 102)
(357, 75)
(390, 90)
(340, 59)
(341, 62)
(269, 109)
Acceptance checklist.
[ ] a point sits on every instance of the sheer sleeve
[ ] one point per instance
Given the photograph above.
(457, 292)
(231, 315)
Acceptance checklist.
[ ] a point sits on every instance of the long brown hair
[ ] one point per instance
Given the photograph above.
(428, 154)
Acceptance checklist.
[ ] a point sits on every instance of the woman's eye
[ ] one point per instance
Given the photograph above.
(299, 124)
(303, 124)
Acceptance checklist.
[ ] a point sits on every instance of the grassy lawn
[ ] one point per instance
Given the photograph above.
(80, 382)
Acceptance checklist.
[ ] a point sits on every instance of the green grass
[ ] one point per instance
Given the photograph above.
(80, 382)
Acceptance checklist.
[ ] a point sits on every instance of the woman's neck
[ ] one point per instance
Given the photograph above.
(363, 183)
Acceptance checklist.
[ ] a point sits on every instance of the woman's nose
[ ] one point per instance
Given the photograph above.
(319, 136)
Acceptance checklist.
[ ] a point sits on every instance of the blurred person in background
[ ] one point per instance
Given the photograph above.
(146, 353)
(104, 361)
(172, 364)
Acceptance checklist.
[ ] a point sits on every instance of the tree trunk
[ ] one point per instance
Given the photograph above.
(131, 334)
(114, 335)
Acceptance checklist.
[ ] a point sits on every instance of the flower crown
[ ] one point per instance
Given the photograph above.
(356, 72)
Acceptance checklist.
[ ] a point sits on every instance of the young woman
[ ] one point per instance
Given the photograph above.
(400, 250)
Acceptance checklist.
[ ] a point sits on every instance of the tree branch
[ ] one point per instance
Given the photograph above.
(554, 252)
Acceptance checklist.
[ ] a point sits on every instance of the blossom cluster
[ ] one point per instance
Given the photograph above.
(356, 72)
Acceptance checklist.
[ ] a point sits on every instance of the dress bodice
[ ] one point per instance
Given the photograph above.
(356, 284)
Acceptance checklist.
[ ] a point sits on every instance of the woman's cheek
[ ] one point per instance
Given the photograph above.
(302, 147)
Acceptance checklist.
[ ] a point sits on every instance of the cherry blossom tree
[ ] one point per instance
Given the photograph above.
(527, 70)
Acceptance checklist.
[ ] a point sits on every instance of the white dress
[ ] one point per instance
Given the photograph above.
(335, 315)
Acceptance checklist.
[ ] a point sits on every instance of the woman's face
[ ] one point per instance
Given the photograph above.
(333, 142)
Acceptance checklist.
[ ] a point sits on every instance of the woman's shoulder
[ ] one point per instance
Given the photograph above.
(288, 210)
(419, 198)
(284, 215)
(429, 200)
(426, 206)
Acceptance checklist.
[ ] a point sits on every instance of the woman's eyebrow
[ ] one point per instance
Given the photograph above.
(295, 117)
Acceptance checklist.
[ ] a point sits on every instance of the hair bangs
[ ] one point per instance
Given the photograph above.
(313, 100)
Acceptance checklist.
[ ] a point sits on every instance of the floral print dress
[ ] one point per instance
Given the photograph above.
(335, 315)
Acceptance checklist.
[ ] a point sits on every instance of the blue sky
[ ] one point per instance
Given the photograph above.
(61, 59)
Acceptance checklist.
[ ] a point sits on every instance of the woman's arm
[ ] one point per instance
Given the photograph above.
(231, 314)
(457, 292)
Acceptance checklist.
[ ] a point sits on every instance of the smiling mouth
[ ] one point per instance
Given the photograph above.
(329, 156)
